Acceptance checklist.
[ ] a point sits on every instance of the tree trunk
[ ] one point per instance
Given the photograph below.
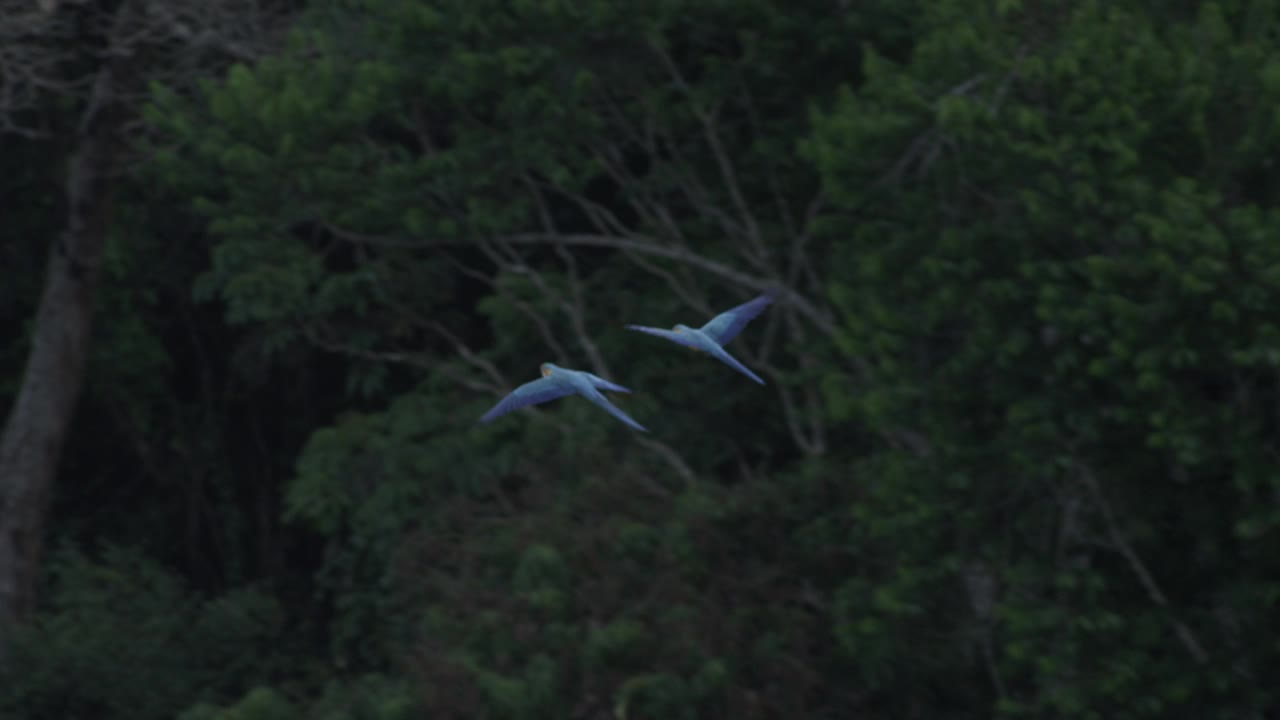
(36, 429)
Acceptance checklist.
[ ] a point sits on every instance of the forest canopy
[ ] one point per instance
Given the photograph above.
(1016, 456)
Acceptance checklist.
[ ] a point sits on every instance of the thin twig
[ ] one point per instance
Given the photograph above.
(1148, 581)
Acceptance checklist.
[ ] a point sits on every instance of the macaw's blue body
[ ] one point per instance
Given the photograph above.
(712, 337)
(557, 382)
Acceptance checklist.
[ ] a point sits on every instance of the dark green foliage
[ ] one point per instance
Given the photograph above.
(1070, 294)
(1034, 251)
(122, 637)
(369, 697)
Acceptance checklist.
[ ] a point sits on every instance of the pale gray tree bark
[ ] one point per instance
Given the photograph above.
(36, 428)
(143, 41)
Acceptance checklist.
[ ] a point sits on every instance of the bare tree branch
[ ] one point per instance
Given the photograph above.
(498, 383)
(177, 41)
(607, 223)
(728, 175)
(507, 259)
(651, 246)
(574, 306)
(1140, 570)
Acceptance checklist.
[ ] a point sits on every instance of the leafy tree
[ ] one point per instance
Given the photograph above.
(1014, 455)
(123, 638)
(364, 206)
(72, 74)
(1065, 278)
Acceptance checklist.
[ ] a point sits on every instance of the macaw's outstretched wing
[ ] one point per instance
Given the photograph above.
(724, 357)
(726, 326)
(603, 384)
(613, 410)
(531, 393)
(675, 337)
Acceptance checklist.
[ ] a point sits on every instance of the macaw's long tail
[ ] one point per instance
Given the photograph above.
(724, 357)
(613, 410)
(602, 384)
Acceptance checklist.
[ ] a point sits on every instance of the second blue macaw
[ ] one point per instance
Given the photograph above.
(712, 337)
(557, 382)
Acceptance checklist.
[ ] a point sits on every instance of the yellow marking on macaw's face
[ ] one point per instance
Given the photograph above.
(546, 372)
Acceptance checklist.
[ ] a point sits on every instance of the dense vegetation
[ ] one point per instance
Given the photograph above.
(1017, 456)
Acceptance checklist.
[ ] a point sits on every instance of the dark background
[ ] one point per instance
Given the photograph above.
(1017, 454)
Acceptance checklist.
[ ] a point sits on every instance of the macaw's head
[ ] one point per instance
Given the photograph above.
(546, 369)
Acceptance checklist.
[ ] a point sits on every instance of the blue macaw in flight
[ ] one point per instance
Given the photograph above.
(712, 337)
(557, 382)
